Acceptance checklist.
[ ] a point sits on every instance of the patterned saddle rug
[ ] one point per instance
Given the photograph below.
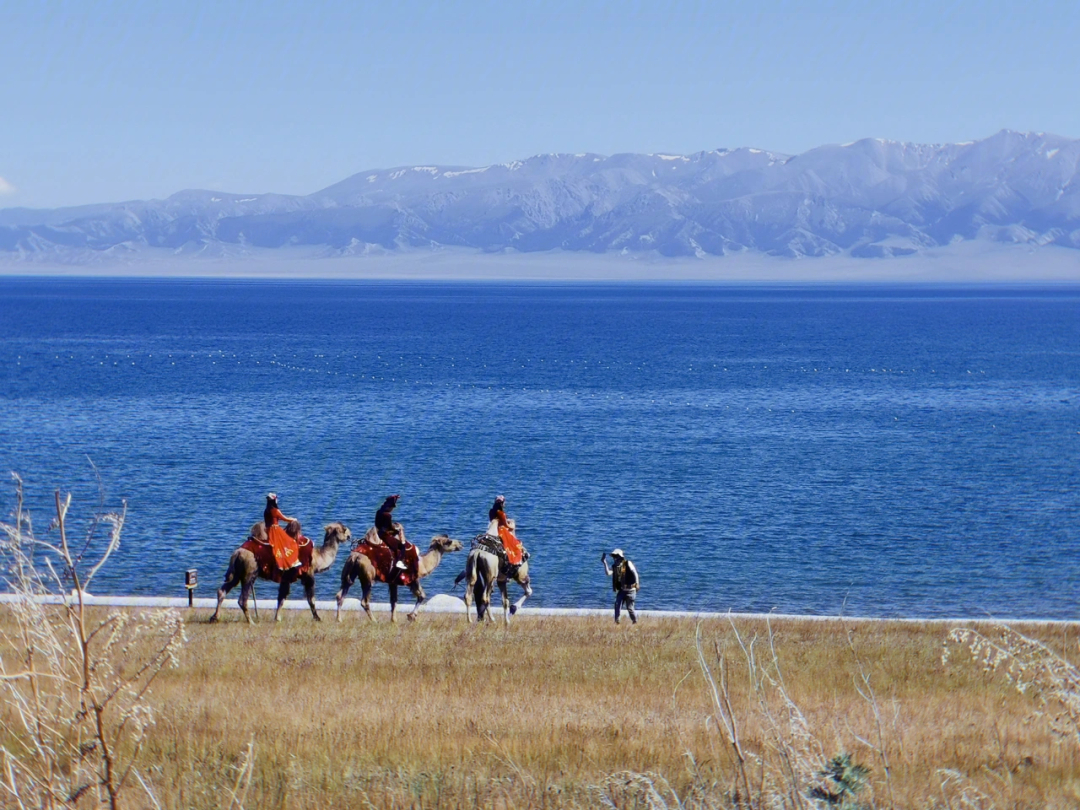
(268, 567)
(383, 559)
(494, 545)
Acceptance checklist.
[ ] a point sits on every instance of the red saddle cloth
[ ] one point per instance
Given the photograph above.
(383, 559)
(268, 567)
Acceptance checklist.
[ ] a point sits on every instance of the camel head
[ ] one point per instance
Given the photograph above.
(445, 544)
(336, 534)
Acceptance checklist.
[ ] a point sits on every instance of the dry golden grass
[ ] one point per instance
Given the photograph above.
(444, 714)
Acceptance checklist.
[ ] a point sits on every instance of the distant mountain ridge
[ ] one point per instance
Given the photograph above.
(870, 198)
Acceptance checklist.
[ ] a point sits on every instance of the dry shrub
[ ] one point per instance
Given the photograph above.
(76, 685)
(781, 771)
(1032, 668)
(785, 769)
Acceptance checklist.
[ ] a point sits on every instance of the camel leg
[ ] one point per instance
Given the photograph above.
(527, 587)
(505, 601)
(479, 584)
(469, 575)
(489, 588)
(231, 581)
(309, 591)
(478, 595)
(234, 575)
(468, 601)
(418, 592)
(282, 595)
(341, 597)
(245, 594)
(393, 602)
(348, 577)
(365, 600)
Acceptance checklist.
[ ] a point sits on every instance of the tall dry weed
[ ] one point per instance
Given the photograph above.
(1032, 667)
(784, 768)
(786, 771)
(76, 687)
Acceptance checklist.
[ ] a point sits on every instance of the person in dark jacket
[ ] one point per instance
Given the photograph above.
(384, 521)
(624, 581)
(389, 534)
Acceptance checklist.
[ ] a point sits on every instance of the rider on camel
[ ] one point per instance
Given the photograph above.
(285, 548)
(497, 513)
(389, 534)
(499, 527)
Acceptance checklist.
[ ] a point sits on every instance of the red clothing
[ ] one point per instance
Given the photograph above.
(514, 550)
(268, 564)
(286, 549)
(272, 515)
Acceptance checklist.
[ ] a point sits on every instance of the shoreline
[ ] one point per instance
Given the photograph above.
(446, 604)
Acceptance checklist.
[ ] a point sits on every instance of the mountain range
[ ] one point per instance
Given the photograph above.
(870, 198)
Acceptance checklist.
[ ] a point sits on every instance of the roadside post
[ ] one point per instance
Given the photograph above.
(191, 580)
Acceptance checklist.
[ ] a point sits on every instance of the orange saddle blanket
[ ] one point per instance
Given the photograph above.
(383, 559)
(268, 566)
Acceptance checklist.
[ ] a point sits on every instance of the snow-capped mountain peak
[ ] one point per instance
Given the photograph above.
(870, 197)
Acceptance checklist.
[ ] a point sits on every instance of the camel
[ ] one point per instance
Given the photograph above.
(244, 569)
(482, 571)
(358, 565)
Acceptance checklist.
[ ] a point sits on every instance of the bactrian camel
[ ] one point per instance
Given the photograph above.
(243, 569)
(483, 570)
(358, 566)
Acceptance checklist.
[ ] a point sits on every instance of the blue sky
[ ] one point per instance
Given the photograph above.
(106, 100)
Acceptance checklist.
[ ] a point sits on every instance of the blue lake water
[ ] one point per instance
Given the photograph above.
(882, 451)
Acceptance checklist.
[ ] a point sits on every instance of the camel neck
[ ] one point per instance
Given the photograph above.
(327, 552)
(430, 561)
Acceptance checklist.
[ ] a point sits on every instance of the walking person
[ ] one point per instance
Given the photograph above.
(624, 581)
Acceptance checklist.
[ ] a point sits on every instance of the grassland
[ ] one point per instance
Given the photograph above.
(560, 712)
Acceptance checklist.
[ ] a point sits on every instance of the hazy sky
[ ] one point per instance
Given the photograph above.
(105, 100)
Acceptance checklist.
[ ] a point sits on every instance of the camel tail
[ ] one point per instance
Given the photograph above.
(230, 572)
(349, 573)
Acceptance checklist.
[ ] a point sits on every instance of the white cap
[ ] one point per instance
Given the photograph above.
(616, 552)
(272, 496)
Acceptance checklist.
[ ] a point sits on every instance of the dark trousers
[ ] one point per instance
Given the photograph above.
(625, 599)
